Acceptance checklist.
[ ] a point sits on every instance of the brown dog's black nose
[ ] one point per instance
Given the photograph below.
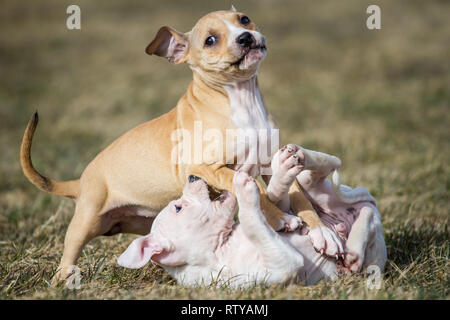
(245, 40)
(193, 178)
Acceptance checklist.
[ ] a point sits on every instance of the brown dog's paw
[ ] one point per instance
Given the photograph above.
(291, 223)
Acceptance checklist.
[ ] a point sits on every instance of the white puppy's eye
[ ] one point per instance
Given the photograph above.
(210, 41)
(177, 208)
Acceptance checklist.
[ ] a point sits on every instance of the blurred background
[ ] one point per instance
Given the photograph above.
(377, 99)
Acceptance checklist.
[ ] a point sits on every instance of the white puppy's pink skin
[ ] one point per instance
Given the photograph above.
(196, 241)
(355, 219)
(286, 165)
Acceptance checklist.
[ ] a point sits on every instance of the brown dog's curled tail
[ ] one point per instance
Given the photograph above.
(69, 189)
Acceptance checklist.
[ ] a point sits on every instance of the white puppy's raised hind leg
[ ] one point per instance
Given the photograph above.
(362, 234)
(285, 165)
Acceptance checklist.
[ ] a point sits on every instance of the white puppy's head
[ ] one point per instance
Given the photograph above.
(185, 231)
(223, 47)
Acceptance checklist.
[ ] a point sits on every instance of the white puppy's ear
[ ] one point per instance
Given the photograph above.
(139, 252)
(170, 44)
(233, 9)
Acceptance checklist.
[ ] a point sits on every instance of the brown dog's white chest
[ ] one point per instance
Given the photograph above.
(255, 135)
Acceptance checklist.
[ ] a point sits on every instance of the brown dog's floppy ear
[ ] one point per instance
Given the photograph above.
(170, 44)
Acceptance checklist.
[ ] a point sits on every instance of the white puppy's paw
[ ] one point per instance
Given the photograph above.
(287, 158)
(291, 223)
(353, 262)
(326, 242)
(247, 191)
(286, 166)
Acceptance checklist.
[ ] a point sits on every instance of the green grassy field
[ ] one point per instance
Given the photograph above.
(379, 100)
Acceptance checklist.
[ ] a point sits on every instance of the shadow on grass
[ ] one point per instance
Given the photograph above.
(407, 243)
(418, 257)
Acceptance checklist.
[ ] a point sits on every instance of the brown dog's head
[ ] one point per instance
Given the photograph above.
(224, 46)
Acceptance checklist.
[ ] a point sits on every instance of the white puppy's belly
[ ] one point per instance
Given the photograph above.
(316, 266)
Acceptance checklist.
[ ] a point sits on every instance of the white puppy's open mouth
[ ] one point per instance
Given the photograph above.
(216, 196)
(224, 195)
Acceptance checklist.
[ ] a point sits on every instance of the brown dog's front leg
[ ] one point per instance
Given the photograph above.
(221, 178)
(302, 208)
(324, 240)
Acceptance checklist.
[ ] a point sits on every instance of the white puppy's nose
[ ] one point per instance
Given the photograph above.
(192, 178)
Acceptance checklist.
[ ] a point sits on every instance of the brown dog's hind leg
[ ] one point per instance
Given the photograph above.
(85, 225)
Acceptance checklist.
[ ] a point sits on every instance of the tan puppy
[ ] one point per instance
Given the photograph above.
(129, 182)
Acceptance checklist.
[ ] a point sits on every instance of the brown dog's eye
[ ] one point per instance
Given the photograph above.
(177, 208)
(210, 41)
(244, 20)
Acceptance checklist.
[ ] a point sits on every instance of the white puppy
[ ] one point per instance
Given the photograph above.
(198, 243)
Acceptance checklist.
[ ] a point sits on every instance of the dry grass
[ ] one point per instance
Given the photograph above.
(377, 99)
